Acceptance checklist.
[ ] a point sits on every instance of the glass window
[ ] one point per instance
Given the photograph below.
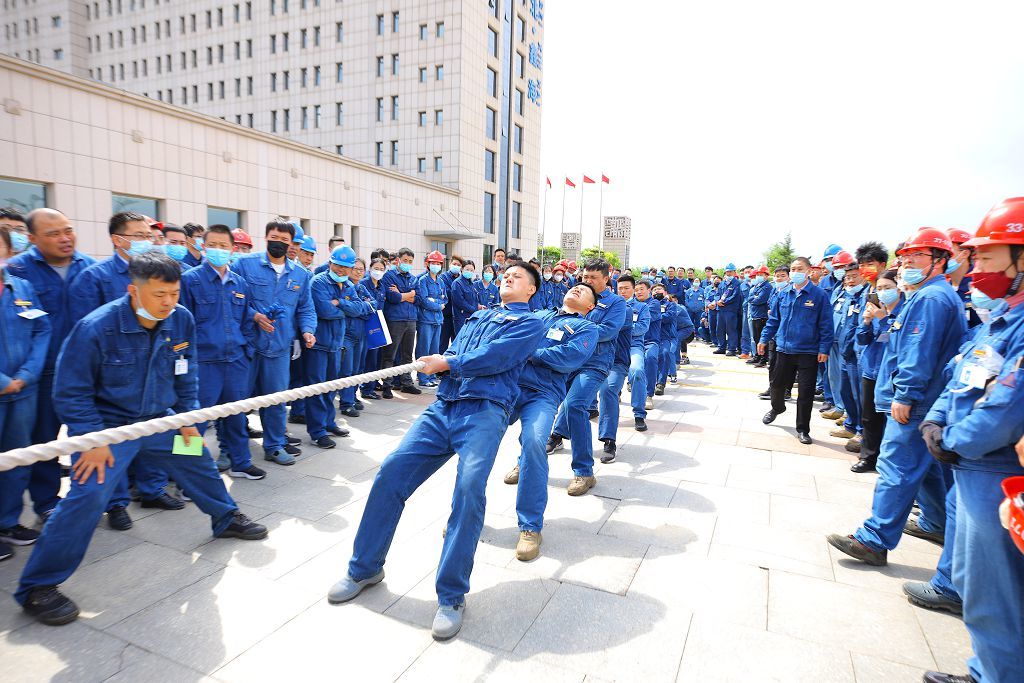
(394, 152)
(339, 32)
(394, 107)
(380, 66)
(492, 42)
(22, 195)
(316, 75)
(228, 217)
(421, 165)
(304, 118)
(287, 119)
(394, 65)
(521, 29)
(437, 164)
(438, 117)
(517, 216)
(423, 74)
(339, 72)
(423, 119)
(339, 113)
(519, 101)
(492, 82)
(488, 165)
(439, 72)
(394, 22)
(423, 31)
(490, 124)
(380, 24)
(317, 115)
(517, 139)
(517, 177)
(439, 29)
(495, 9)
(489, 213)
(339, 150)
(380, 109)
(380, 154)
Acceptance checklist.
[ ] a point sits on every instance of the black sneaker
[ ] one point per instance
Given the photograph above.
(371, 396)
(659, 389)
(350, 412)
(325, 442)
(292, 449)
(254, 433)
(337, 431)
(640, 424)
(386, 393)
(594, 414)
(49, 606)
(410, 389)
(730, 354)
(244, 528)
(554, 443)
(765, 395)
(19, 535)
(164, 501)
(826, 407)
(609, 452)
(297, 419)
(292, 440)
(118, 519)
(718, 352)
(359, 405)
(6, 552)
(251, 472)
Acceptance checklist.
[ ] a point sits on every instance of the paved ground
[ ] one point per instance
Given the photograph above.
(699, 556)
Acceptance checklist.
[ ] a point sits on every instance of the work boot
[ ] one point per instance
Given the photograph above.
(842, 433)
(244, 528)
(386, 393)
(640, 424)
(118, 519)
(164, 501)
(594, 414)
(581, 485)
(348, 588)
(649, 404)
(410, 389)
(937, 677)
(841, 421)
(719, 352)
(554, 444)
(765, 395)
(832, 413)
(512, 477)
(659, 389)
(912, 528)
(825, 407)
(862, 466)
(447, 621)
(609, 452)
(857, 550)
(744, 356)
(853, 445)
(924, 595)
(49, 606)
(528, 547)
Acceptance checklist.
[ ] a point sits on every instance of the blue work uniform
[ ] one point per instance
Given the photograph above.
(447, 278)
(569, 342)
(53, 287)
(225, 336)
(685, 330)
(322, 362)
(547, 289)
(401, 319)
(981, 411)
(694, 302)
(652, 346)
(559, 288)
(832, 371)
(112, 372)
(629, 363)
(474, 402)
(431, 298)
(191, 261)
(574, 416)
(358, 305)
(730, 304)
(371, 362)
(464, 301)
(488, 294)
(963, 291)
(25, 334)
(286, 300)
(849, 355)
(744, 317)
(926, 334)
(712, 295)
(669, 346)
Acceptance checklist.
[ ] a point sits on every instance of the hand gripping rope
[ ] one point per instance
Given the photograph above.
(77, 444)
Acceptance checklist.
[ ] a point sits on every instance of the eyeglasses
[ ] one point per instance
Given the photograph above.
(137, 237)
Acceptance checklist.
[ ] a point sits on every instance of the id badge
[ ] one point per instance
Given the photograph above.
(974, 376)
(556, 334)
(181, 366)
(32, 314)
(636, 316)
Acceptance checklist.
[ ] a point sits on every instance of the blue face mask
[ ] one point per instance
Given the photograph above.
(913, 276)
(19, 242)
(141, 247)
(199, 243)
(405, 267)
(888, 296)
(488, 277)
(758, 279)
(468, 274)
(839, 273)
(952, 266)
(176, 251)
(454, 269)
(828, 266)
(983, 301)
(218, 257)
(798, 278)
(340, 279)
(435, 268)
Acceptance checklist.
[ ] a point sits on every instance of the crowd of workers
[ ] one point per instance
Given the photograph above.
(914, 357)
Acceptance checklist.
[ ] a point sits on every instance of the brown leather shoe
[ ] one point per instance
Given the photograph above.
(581, 485)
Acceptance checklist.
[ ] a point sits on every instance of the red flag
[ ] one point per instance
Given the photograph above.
(588, 180)
(549, 182)
(604, 179)
(570, 183)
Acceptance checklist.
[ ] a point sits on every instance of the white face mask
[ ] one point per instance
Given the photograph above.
(376, 274)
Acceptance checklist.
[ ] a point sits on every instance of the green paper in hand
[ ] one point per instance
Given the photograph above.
(194, 447)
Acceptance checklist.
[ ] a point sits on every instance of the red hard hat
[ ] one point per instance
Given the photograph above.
(1003, 224)
(958, 235)
(572, 265)
(763, 270)
(435, 257)
(241, 237)
(928, 238)
(153, 223)
(1013, 487)
(561, 265)
(843, 258)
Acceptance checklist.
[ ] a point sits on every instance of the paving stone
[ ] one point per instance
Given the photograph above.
(682, 467)
(792, 461)
(183, 530)
(647, 489)
(771, 481)
(813, 515)
(832, 490)
(614, 637)
(904, 565)
(311, 498)
(746, 456)
(870, 669)
(461, 661)
(862, 620)
(719, 501)
(767, 546)
(139, 665)
(946, 634)
(672, 528)
(74, 652)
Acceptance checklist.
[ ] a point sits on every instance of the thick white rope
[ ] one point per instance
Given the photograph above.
(77, 444)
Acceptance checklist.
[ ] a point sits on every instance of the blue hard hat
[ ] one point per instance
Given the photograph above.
(299, 233)
(308, 244)
(343, 256)
(730, 266)
(832, 249)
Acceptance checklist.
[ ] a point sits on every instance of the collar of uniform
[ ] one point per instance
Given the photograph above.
(120, 262)
(933, 281)
(562, 311)
(518, 306)
(213, 276)
(129, 322)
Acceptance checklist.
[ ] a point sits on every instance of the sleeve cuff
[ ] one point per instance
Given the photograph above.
(454, 367)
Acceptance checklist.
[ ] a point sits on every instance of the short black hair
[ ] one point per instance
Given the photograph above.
(468, 262)
(154, 265)
(782, 269)
(174, 228)
(406, 251)
(707, 268)
(804, 260)
(745, 267)
(534, 275)
(872, 251)
(593, 291)
(336, 239)
(221, 229)
(889, 275)
(626, 277)
(495, 252)
(119, 220)
(281, 226)
(5, 236)
(12, 214)
(596, 263)
(193, 228)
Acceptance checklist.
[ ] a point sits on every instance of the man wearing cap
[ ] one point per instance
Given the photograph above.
(243, 243)
(957, 272)
(757, 307)
(431, 299)
(307, 251)
(927, 332)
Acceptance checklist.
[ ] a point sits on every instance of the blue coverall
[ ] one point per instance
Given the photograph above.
(849, 354)
(431, 298)
(359, 306)
(744, 317)
(669, 346)
(464, 301)
(323, 362)
(729, 308)
(629, 362)
(371, 362)
(695, 306)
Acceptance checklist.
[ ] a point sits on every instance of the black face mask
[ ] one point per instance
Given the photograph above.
(277, 249)
(659, 296)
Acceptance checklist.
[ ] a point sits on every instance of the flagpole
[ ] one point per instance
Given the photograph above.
(543, 225)
(600, 214)
(561, 230)
(583, 187)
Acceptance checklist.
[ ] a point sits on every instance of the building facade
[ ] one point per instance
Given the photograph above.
(616, 236)
(442, 91)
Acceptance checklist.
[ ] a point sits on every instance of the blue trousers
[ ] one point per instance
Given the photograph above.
(352, 357)
(713, 326)
(44, 484)
(536, 410)
(695, 316)
(320, 366)
(638, 380)
(906, 470)
(989, 571)
(473, 428)
(573, 419)
(668, 355)
(822, 382)
(943, 579)
(271, 375)
(608, 422)
(835, 377)
(218, 383)
(652, 359)
(729, 330)
(67, 533)
(745, 331)
(296, 372)
(850, 394)
(371, 363)
(428, 340)
(16, 420)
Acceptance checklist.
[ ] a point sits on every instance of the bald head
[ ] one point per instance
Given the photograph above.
(44, 215)
(52, 234)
